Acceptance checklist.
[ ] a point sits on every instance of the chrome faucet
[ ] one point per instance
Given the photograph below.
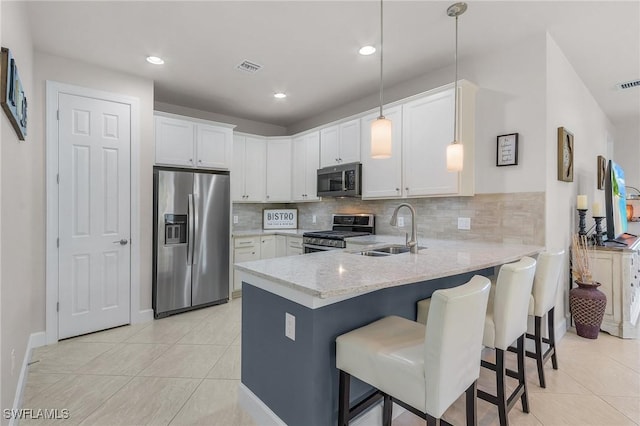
(413, 242)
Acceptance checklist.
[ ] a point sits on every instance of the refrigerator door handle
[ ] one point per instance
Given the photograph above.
(191, 234)
(195, 200)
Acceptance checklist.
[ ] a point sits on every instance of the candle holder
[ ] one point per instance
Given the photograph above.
(582, 226)
(598, 220)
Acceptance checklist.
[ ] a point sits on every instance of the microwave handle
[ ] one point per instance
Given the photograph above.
(344, 180)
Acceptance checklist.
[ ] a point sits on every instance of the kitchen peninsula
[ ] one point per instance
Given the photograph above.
(316, 297)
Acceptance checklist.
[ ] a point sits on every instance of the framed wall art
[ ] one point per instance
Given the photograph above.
(565, 155)
(507, 150)
(12, 96)
(280, 219)
(602, 170)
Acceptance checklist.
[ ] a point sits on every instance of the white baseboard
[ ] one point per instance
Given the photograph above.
(263, 415)
(144, 315)
(561, 329)
(35, 341)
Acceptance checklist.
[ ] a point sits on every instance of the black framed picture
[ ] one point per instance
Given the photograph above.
(12, 97)
(507, 150)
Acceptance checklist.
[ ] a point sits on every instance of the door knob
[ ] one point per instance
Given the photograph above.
(122, 242)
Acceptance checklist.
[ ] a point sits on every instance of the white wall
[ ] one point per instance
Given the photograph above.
(242, 125)
(570, 104)
(627, 150)
(510, 99)
(22, 225)
(48, 67)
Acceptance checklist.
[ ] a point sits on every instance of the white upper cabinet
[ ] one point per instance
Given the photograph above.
(427, 131)
(213, 146)
(174, 142)
(306, 154)
(249, 169)
(180, 141)
(278, 170)
(340, 144)
(382, 177)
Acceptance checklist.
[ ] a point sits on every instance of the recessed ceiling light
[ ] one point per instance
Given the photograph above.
(280, 95)
(155, 60)
(367, 50)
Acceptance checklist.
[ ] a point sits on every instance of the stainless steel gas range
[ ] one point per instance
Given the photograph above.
(343, 226)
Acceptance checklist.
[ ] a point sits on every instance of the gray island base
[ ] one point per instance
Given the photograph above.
(329, 294)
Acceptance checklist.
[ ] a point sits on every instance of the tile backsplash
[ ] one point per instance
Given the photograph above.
(512, 217)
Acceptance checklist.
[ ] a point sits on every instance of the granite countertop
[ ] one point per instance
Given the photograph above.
(252, 232)
(337, 273)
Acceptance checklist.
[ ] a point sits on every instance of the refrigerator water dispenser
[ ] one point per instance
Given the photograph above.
(175, 229)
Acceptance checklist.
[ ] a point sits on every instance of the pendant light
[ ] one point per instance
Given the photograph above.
(455, 151)
(381, 127)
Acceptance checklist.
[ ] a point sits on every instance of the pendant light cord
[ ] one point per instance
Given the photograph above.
(455, 91)
(381, 57)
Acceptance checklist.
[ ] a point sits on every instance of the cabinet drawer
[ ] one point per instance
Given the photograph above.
(294, 242)
(246, 242)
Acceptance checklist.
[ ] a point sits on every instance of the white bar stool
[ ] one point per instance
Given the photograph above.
(505, 323)
(422, 368)
(542, 302)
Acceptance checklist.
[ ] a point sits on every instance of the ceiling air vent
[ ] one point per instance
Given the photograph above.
(629, 84)
(248, 66)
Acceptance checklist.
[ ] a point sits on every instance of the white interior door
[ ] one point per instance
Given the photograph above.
(94, 214)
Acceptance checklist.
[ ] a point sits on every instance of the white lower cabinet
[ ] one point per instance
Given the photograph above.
(246, 249)
(618, 272)
(294, 245)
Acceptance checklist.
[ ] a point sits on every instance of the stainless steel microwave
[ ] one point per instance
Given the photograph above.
(340, 181)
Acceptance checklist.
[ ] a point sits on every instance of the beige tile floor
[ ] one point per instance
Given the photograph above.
(185, 370)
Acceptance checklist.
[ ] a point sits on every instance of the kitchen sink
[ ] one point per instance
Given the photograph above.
(386, 250)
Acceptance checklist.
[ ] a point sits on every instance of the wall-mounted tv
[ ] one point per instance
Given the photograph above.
(615, 201)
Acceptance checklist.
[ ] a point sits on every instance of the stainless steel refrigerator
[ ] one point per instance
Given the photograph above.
(191, 239)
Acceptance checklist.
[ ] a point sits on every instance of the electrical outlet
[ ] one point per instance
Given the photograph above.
(235, 219)
(13, 361)
(400, 221)
(290, 326)
(313, 219)
(464, 223)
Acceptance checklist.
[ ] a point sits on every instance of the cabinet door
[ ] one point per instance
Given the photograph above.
(278, 170)
(349, 146)
(174, 142)
(281, 245)
(214, 146)
(254, 169)
(382, 177)
(294, 246)
(329, 139)
(312, 161)
(237, 168)
(268, 247)
(427, 128)
(298, 169)
(243, 254)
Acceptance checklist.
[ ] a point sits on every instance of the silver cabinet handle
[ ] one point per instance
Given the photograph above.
(199, 161)
(267, 197)
(191, 160)
(122, 242)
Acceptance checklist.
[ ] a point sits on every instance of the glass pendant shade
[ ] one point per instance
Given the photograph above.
(455, 157)
(381, 138)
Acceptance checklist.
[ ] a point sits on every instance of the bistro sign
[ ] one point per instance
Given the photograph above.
(280, 219)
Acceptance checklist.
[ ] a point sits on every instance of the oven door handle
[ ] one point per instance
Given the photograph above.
(323, 248)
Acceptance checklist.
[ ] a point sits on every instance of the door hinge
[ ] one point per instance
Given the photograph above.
(58, 242)
(57, 306)
(58, 179)
(58, 114)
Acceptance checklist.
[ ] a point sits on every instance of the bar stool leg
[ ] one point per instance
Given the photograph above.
(552, 338)
(521, 374)
(472, 404)
(539, 352)
(501, 397)
(387, 410)
(343, 398)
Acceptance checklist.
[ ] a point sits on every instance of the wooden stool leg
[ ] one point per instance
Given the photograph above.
(521, 374)
(343, 398)
(472, 404)
(537, 337)
(387, 410)
(500, 388)
(552, 338)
